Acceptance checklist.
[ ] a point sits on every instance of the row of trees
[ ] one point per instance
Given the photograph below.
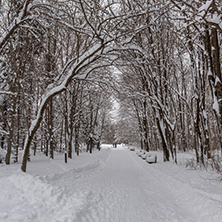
(53, 75)
(57, 60)
(171, 75)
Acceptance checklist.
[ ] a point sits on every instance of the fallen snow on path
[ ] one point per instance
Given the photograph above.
(108, 186)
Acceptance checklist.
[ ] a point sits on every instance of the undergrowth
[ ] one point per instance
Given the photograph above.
(214, 163)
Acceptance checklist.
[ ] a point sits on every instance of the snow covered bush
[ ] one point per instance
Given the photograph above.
(214, 163)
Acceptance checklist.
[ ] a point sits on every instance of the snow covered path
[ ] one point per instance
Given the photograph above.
(113, 185)
(126, 189)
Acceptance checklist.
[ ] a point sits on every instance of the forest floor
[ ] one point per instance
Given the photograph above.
(111, 185)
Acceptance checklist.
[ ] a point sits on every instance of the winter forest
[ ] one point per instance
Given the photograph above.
(81, 72)
(101, 83)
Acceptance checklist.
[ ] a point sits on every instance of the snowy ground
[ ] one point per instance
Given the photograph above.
(113, 185)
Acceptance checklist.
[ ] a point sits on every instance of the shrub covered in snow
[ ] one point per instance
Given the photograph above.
(213, 163)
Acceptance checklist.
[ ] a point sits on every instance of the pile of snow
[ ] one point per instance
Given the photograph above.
(30, 197)
(27, 198)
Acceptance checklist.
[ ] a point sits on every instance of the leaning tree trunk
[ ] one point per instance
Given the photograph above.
(35, 125)
(85, 60)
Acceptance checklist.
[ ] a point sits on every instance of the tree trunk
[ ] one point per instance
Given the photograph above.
(160, 124)
(217, 70)
(9, 149)
(50, 128)
(35, 146)
(145, 127)
(60, 141)
(90, 144)
(70, 144)
(214, 71)
(98, 145)
(196, 99)
(174, 145)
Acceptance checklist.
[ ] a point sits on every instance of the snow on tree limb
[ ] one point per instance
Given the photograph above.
(202, 14)
(15, 24)
(86, 59)
(7, 93)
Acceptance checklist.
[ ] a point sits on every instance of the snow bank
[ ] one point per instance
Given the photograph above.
(34, 200)
(29, 197)
(83, 163)
(193, 192)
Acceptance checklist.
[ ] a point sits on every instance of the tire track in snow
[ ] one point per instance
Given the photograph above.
(123, 191)
(80, 172)
(105, 195)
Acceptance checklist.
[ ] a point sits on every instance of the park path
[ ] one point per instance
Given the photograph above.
(124, 188)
